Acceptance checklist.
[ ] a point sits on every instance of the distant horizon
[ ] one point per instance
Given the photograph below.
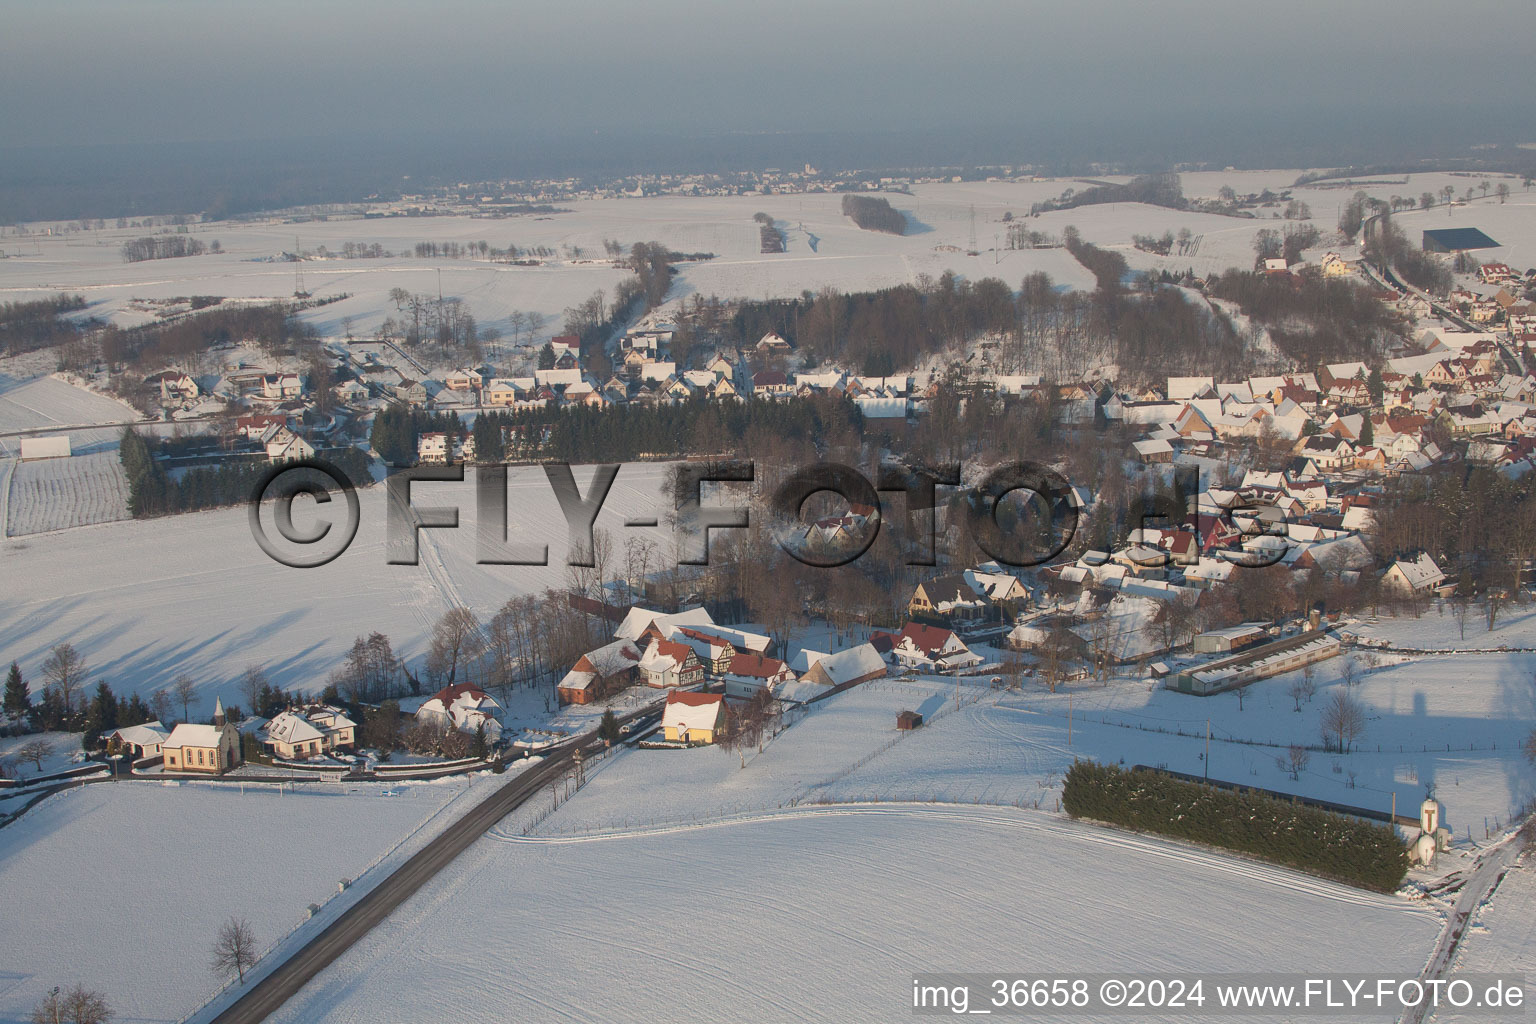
(111, 179)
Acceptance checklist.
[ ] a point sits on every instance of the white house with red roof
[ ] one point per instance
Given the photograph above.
(465, 707)
(932, 649)
(749, 673)
(667, 663)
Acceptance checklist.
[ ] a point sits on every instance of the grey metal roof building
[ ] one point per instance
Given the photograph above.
(1457, 240)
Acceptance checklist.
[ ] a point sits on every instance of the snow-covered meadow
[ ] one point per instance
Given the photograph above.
(822, 913)
(123, 886)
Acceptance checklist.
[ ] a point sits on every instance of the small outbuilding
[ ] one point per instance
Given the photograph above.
(56, 447)
(908, 720)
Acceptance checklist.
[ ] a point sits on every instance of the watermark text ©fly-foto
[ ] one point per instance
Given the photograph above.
(1045, 512)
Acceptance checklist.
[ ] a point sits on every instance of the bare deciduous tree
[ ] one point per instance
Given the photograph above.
(35, 751)
(1343, 721)
(79, 1005)
(184, 689)
(456, 641)
(234, 951)
(65, 671)
(252, 685)
(160, 704)
(1294, 760)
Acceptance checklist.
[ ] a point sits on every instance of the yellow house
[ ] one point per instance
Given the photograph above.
(693, 717)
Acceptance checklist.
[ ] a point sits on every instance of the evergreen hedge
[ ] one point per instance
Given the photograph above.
(1316, 841)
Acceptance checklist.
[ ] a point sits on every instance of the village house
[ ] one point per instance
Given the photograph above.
(950, 598)
(749, 673)
(314, 731)
(463, 379)
(693, 717)
(350, 391)
(175, 386)
(253, 427)
(666, 663)
(281, 386)
(283, 445)
(847, 668)
(465, 707)
(932, 649)
(436, 447)
(137, 741)
(1415, 577)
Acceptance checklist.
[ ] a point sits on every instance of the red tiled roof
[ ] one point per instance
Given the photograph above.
(692, 699)
(449, 694)
(927, 638)
(756, 666)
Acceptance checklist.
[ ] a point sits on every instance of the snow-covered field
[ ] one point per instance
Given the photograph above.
(825, 913)
(56, 494)
(123, 887)
(51, 402)
(1012, 748)
(824, 248)
(145, 600)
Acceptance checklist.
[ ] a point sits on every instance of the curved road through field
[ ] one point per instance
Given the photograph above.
(266, 995)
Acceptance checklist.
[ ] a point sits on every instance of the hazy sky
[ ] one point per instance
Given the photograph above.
(75, 71)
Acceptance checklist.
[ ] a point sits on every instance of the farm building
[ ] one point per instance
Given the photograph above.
(56, 447)
(1233, 638)
(848, 668)
(599, 673)
(1457, 240)
(1257, 663)
(908, 720)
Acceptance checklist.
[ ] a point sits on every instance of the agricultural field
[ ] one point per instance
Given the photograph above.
(57, 494)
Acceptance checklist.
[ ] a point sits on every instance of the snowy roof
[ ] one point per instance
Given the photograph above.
(686, 710)
(190, 735)
(1421, 572)
(291, 728)
(611, 659)
(852, 663)
(638, 620)
(575, 680)
(882, 408)
(803, 660)
(146, 735)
